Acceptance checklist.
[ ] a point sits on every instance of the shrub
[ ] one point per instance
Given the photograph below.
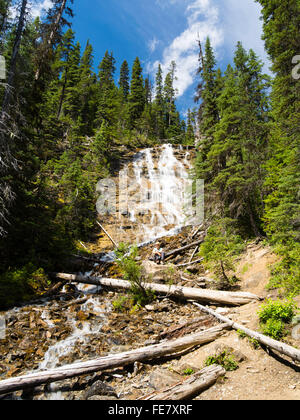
(224, 359)
(274, 315)
(132, 272)
(20, 285)
(277, 310)
(220, 248)
(274, 328)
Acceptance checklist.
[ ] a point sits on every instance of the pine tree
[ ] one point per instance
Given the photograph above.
(124, 80)
(158, 106)
(137, 96)
(107, 90)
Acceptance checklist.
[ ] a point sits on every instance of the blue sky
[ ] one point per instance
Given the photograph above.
(159, 31)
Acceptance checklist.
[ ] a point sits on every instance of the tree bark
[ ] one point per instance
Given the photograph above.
(143, 354)
(14, 57)
(108, 235)
(51, 36)
(267, 341)
(184, 248)
(190, 263)
(215, 296)
(191, 387)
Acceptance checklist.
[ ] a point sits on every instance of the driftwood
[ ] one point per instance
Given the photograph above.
(193, 254)
(191, 387)
(108, 235)
(215, 296)
(143, 354)
(267, 341)
(190, 263)
(197, 231)
(184, 248)
(187, 328)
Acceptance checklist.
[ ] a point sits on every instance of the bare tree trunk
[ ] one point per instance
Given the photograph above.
(14, 57)
(184, 248)
(215, 296)
(143, 354)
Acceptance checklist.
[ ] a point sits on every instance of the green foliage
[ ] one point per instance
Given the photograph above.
(274, 315)
(220, 248)
(188, 372)
(224, 359)
(278, 310)
(17, 286)
(282, 204)
(132, 272)
(274, 328)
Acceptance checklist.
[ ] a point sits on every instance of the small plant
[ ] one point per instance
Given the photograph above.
(273, 316)
(277, 310)
(121, 304)
(219, 250)
(224, 359)
(188, 372)
(274, 328)
(132, 271)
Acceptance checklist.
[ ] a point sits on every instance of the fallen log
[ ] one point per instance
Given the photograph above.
(165, 348)
(263, 339)
(184, 248)
(190, 263)
(204, 295)
(191, 387)
(108, 235)
(193, 254)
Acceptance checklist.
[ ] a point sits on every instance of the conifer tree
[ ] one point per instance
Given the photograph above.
(158, 105)
(234, 162)
(124, 80)
(137, 96)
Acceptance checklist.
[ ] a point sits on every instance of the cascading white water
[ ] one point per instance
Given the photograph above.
(159, 186)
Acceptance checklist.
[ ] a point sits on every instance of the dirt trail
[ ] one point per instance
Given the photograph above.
(261, 375)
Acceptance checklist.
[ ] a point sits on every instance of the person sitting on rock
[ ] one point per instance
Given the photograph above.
(158, 255)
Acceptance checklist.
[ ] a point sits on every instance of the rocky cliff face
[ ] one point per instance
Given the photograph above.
(149, 199)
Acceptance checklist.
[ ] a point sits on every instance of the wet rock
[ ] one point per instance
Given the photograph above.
(100, 388)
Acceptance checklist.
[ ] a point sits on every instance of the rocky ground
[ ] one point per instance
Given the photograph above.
(93, 329)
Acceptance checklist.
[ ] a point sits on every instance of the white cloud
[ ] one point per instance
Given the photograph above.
(40, 7)
(152, 44)
(202, 21)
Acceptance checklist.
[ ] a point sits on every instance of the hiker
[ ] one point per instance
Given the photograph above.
(158, 255)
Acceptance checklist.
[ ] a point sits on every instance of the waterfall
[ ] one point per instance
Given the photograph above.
(156, 202)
